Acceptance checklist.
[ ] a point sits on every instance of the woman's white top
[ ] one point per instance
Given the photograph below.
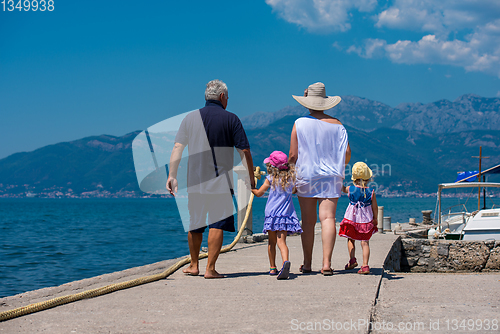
(320, 165)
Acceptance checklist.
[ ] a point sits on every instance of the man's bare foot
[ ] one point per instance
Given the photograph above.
(213, 274)
(191, 270)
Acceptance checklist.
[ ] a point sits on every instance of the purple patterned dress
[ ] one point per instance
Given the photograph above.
(280, 212)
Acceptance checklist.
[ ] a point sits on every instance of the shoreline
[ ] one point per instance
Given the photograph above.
(133, 195)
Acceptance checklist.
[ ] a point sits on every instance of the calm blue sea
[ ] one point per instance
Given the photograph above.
(48, 242)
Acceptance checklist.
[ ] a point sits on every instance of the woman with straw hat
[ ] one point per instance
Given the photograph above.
(319, 148)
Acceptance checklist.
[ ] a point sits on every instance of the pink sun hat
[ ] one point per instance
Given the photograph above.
(277, 159)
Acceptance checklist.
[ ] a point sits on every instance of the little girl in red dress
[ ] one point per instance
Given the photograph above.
(360, 219)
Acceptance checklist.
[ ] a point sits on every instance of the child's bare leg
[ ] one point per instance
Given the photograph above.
(365, 244)
(351, 248)
(271, 248)
(282, 245)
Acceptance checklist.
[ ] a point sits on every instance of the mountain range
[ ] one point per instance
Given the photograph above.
(468, 112)
(411, 147)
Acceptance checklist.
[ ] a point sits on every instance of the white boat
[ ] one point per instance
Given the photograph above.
(482, 224)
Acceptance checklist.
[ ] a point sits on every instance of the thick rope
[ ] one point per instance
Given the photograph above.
(32, 308)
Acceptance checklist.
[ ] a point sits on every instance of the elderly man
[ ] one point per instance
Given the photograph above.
(211, 135)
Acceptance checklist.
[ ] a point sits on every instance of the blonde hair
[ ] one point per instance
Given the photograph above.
(361, 182)
(281, 177)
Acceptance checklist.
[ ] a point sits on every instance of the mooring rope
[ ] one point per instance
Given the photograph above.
(32, 308)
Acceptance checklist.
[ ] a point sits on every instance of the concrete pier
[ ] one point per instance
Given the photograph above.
(248, 300)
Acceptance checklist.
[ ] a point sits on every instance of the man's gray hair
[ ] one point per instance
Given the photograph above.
(214, 89)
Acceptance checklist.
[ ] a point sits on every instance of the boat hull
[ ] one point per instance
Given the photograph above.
(485, 225)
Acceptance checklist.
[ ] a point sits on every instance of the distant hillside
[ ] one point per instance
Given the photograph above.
(354, 111)
(412, 147)
(99, 162)
(468, 112)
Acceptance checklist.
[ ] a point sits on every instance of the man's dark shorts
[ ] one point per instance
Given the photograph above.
(219, 208)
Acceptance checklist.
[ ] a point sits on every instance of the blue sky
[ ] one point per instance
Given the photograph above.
(113, 67)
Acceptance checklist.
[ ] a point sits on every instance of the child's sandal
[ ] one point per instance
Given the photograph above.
(273, 271)
(285, 270)
(365, 270)
(353, 263)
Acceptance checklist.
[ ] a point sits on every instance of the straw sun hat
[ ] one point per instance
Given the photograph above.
(316, 98)
(360, 170)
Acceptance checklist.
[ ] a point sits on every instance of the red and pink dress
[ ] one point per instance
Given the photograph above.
(358, 219)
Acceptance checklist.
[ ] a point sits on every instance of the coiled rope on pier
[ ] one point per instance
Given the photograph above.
(36, 307)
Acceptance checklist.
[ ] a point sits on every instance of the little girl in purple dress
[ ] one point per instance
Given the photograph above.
(281, 218)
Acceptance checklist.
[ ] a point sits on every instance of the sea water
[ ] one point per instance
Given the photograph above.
(48, 242)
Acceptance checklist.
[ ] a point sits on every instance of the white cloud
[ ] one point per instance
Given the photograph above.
(320, 15)
(478, 50)
(438, 17)
(413, 18)
(337, 46)
(464, 33)
(431, 50)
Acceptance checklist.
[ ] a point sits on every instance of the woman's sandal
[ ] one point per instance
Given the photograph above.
(351, 264)
(273, 271)
(327, 272)
(365, 270)
(304, 271)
